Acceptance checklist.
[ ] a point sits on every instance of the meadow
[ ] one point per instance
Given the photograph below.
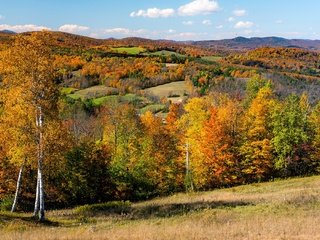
(174, 91)
(286, 209)
(91, 92)
(212, 58)
(129, 50)
(165, 53)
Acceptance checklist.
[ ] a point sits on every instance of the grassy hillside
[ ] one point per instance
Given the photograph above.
(174, 91)
(288, 209)
(129, 50)
(92, 92)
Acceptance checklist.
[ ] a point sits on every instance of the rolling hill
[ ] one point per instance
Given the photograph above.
(234, 44)
(287, 209)
(242, 43)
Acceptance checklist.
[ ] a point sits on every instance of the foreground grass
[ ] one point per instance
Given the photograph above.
(287, 209)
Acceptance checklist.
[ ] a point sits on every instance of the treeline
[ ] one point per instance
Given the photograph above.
(292, 60)
(115, 153)
(69, 154)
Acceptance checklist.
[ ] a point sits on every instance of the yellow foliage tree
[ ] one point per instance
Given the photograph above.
(257, 148)
(29, 95)
(191, 124)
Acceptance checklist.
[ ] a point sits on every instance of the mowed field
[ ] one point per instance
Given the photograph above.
(91, 92)
(174, 91)
(129, 50)
(212, 58)
(287, 209)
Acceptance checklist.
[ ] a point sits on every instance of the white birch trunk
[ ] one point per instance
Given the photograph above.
(36, 203)
(16, 196)
(189, 181)
(39, 203)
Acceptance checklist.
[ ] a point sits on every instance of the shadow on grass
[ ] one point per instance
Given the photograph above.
(175, 209)
(148, 211)
(7, 217)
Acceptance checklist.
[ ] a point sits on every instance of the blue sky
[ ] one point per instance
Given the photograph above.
(166, 19)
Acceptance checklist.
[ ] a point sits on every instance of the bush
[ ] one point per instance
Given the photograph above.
(116, 207)
(6, 203)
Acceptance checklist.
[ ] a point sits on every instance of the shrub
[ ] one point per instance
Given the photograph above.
(6, 203)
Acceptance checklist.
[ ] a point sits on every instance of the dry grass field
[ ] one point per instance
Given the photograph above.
(93, 92)
(288, 209)
(174, 91)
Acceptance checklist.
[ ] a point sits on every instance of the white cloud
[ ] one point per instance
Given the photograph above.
(279, 21)
(23, 28)
(239, 12)
(242, 24)
(94, 35)
(1, 17)
(124, 31)
(185, 36)
(171, 31)
(231, 19)
(154, 13)
(219, 27)
(118, 30)
(207, 22)
(73, 28)
(187, 22)
(198, 7)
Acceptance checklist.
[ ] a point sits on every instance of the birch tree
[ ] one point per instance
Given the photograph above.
(30, 97)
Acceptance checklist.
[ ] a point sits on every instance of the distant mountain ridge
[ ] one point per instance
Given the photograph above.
(7, 31)
(242, 43)
(234, 44)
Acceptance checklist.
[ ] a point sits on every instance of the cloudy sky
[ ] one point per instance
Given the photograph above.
(165, 19)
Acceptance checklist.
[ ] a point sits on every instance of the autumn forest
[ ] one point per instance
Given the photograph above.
(86, 121)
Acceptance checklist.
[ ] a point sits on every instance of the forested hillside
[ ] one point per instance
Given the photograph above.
(81, 121)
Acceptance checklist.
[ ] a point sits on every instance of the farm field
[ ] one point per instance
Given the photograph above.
(128, 98)
(165, 53)
(286, 209)
(129, 50)
(92, 92)
(101, 95)
(212, 58)
(174, 91)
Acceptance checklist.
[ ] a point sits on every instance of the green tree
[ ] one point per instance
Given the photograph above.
(290, 136)
(253, 86)
(315, 126)
(122, 132)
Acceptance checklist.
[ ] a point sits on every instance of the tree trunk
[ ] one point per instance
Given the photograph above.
(39, 203)
(36, 203)
(16, 196)
(41, 187)
(188, 177)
